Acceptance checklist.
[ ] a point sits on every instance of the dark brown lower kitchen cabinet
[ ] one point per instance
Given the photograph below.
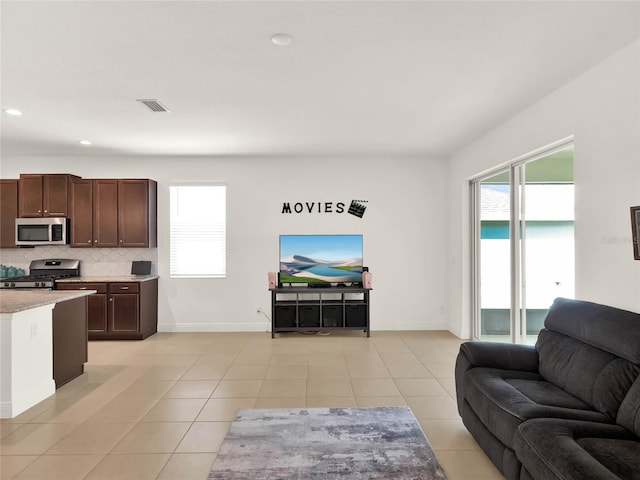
(120, 310)
(97, 305)
(124, 308)
(69, 340)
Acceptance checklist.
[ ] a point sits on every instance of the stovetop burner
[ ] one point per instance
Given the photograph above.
(44, 273)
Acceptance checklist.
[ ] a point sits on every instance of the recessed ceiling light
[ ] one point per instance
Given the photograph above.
(12, 111)
(84, 142)
(281, 39)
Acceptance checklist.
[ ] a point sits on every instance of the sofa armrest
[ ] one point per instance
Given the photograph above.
(505, 356)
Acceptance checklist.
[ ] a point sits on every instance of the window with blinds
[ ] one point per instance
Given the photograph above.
(198, 231)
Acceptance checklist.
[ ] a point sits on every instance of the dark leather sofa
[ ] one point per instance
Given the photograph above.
(567, 408)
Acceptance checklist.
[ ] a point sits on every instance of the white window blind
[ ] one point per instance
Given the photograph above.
(198, 225)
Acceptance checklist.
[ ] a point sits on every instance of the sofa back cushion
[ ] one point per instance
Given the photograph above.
(597, 377)
(608, 328)
(629, 413)
(591, 350)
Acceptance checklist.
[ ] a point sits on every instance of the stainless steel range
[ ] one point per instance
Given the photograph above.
(44, 273)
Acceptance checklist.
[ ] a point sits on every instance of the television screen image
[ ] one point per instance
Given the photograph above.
(320, 258)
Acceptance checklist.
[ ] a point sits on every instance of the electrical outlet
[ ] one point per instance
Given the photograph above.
(258, 309)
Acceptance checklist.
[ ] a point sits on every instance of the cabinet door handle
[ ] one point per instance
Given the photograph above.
(95, 241)
(124, 288)
(46, 211)
(120, 241)
(111, 299)
(82, 288)
(39, 211)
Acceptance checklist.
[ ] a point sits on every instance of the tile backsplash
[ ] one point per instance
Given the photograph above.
(94, 261)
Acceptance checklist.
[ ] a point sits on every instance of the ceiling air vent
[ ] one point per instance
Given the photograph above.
(153, 105)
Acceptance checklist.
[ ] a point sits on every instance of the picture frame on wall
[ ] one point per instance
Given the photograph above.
(635, 231)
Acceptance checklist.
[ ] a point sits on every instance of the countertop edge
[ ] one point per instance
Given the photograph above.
(15, 301)
(108, 279)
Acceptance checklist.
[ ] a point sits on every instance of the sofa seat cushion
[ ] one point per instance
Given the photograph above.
(577, 450)
(502, 399)
(622, 457)
(629, 413)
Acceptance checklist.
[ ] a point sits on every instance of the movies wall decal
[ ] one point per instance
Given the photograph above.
(356, 207)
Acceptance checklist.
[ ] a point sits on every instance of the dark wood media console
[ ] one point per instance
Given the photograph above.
(303, 309)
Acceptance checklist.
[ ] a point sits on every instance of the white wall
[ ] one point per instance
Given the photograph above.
(601, 109)
(419, 260)
(404, 230)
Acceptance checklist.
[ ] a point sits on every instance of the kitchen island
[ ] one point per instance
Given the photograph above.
(43, 344)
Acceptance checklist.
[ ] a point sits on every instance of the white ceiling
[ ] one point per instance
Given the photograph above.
(360, 78)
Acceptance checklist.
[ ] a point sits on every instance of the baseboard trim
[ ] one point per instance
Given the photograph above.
(214, 327)
(266, 327)
(410, 326)
(15, 407)
(6, 410)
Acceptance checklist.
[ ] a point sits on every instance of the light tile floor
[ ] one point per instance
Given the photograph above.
(160, 408)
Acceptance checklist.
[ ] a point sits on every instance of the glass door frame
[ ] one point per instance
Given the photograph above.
(517, 240)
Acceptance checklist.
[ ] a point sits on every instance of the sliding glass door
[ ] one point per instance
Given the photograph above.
(494, 256)
(523, 254)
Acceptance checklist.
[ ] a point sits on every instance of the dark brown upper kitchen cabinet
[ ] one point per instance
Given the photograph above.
(137, 213)
(105, 213)
(8, 212)
(81, 213)
(44, 195)
(94, 213)
(113, 213)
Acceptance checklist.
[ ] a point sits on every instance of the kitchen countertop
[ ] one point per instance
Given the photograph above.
(18, 300)
(112, 278)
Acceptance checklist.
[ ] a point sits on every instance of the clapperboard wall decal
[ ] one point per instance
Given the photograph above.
(358, 207)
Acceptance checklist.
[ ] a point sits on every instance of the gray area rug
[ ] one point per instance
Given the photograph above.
(326, 443)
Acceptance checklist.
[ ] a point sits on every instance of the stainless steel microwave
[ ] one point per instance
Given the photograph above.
(41, 231)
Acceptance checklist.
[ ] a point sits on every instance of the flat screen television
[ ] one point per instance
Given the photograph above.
(320, 258)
